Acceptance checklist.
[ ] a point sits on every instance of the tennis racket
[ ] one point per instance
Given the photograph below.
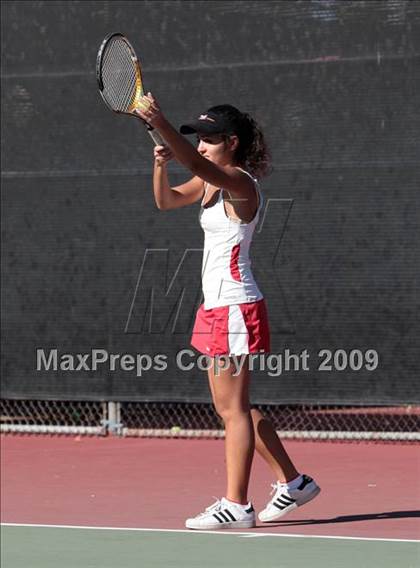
(119, 78)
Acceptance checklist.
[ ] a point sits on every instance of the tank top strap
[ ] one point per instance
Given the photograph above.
(247, 173)
(206, 185)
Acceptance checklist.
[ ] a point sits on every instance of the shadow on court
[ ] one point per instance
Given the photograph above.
(345, 519)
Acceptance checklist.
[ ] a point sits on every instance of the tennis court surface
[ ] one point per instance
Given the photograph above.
(99, 502)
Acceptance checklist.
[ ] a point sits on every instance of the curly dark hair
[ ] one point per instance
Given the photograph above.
(252, 153)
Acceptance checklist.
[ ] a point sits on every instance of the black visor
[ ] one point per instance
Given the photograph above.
(208, 123)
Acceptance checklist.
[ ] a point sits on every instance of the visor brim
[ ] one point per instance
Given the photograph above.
(200, 126)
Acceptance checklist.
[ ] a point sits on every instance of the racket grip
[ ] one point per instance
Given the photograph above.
(155, 136)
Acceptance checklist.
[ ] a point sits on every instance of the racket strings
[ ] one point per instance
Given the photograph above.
(120, 76)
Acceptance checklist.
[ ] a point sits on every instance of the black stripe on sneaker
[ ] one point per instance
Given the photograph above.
(286, 498)
(281, 507)
(250, 510)
(216, 517)
(284, 502)
(224, 517)
(281, 504)
(229, 514)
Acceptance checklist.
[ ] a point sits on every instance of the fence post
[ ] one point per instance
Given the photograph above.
(114, 415)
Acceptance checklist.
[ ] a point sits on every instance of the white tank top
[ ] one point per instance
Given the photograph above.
(226, 274)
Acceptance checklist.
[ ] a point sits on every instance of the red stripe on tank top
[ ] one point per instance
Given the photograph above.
(234, 263)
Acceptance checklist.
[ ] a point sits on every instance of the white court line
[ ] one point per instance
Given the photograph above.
(224, 532)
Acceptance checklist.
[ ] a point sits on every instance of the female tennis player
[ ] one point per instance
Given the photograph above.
(230, 157)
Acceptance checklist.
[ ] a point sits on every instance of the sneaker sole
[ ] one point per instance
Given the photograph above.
(276, 516)
(218, 526)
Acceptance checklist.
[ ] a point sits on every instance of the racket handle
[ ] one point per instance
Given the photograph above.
(155, 136)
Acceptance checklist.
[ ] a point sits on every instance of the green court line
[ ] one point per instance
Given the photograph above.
(50, 547)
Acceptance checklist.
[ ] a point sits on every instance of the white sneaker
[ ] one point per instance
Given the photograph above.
(224, 515)
(285, 500)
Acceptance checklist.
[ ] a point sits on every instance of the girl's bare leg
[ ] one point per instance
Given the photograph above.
(231, 400)
(270, 448)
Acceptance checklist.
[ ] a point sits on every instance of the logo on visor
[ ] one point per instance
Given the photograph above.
(206, 117)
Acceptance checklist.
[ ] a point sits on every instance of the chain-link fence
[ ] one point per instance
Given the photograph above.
(54, 416)
(194, 420)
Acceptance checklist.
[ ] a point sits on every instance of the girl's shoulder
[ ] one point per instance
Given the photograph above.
(254, 179)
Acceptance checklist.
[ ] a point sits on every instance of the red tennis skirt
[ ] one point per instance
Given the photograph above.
(232, 330)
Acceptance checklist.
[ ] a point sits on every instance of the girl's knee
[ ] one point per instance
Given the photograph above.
(231, 411)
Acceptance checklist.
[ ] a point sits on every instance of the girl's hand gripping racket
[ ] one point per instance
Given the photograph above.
(119, 78)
